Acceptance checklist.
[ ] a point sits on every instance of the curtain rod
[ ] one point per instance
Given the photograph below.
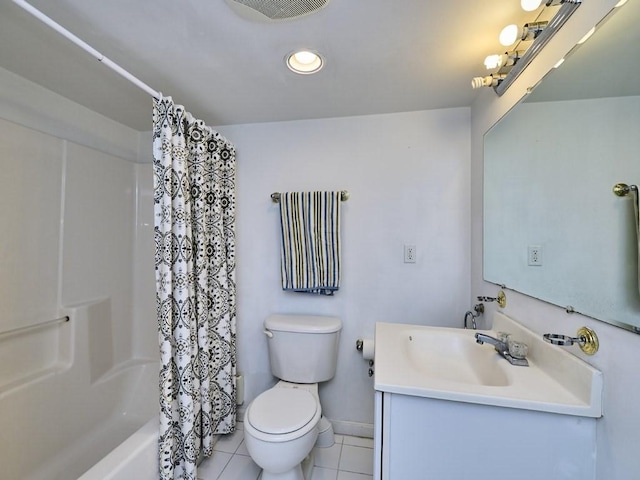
(86, 47)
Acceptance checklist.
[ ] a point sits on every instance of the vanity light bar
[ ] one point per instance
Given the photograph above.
(560, 18)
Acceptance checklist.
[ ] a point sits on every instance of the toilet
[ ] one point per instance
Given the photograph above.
(281, 425)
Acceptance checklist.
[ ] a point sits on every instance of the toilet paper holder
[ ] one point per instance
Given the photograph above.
(360, 348)
(366, 351)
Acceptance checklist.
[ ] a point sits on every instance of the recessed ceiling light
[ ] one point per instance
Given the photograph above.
(304, 62)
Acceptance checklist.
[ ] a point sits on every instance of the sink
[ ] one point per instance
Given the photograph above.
(453, 355)
(447, 363)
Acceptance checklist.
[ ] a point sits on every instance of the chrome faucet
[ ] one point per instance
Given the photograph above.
(502, 348)
(478, 310)
(499, 345)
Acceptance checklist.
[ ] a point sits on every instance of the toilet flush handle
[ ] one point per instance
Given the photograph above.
(268, 333)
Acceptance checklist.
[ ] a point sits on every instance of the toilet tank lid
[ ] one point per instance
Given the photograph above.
(303, 323)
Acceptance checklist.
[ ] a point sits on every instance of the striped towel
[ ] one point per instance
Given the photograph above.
(310, 241)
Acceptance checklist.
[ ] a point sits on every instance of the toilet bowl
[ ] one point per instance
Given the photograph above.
(281, 428)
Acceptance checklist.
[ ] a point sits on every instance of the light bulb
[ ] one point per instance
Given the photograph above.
(493, 61)
(479, 82)
(304, 62)
(304, 57)
(509, 35)
(492, 80)
(530, 5)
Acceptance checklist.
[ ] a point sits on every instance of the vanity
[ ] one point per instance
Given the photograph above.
(448, 408)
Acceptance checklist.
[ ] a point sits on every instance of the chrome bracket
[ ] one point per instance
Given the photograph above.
(622, 189)
(501, 299)
(586, 339)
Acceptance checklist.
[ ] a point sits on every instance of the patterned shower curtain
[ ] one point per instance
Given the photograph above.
(194, 194)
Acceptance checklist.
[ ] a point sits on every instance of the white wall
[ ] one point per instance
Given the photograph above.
(618, 356)
(408, 175)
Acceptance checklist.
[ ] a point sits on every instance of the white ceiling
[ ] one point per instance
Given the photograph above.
(382, 56)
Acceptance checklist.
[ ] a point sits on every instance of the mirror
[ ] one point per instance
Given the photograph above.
(553, 229)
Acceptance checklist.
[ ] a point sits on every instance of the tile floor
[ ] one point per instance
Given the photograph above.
(351, 458)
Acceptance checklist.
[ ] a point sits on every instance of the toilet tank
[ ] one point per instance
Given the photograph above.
(303, 348)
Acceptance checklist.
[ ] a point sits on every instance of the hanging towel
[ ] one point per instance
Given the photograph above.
(310, 241)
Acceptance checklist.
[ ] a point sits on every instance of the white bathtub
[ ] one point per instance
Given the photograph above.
(135, 458)
(78, 404)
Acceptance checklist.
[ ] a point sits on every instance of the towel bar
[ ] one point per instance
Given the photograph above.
(622, 189)
(275, 196)
(15, 331)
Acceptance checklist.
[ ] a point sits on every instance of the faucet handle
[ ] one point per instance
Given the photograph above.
(518, 349)
(504, 337)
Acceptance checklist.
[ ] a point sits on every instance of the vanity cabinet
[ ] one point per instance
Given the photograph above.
(421, 438)
(448, 408)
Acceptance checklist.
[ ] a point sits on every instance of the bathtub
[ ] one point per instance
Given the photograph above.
(77, 402)
(135, 458)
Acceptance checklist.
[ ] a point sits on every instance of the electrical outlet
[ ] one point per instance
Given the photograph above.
(409, 254)
(534, 255)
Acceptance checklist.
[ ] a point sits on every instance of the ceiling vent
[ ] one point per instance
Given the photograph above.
(267, 10)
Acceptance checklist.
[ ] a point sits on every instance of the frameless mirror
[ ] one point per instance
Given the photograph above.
(553, 229)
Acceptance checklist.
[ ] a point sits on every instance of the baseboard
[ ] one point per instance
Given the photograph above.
(354, 429)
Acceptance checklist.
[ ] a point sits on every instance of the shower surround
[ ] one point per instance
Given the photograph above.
(72, 245)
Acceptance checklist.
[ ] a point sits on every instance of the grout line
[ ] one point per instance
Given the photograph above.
(338, 469)
(221, 474)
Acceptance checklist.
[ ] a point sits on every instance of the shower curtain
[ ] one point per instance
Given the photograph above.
(194, 206)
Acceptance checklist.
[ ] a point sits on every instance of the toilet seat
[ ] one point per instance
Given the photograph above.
(281, 411)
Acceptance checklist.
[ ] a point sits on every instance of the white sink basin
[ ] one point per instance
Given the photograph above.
(448, 364)
(453, 355)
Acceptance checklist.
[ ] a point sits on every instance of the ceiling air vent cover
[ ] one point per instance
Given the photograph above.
(266, 10)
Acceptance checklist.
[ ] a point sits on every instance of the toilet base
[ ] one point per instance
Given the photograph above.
(294, 474)
(326, 438)
(302, 471)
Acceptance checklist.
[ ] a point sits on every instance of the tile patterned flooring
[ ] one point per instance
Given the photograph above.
(351, 458)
